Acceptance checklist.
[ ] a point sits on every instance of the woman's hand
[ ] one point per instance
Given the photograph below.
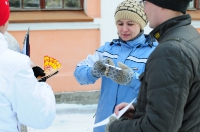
(121, 75)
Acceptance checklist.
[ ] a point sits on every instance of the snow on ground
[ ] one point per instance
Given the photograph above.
(71, 118)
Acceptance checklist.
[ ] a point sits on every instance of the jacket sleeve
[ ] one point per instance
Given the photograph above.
(32, 101)
(135, 82)
(163, 94)
(83, 71)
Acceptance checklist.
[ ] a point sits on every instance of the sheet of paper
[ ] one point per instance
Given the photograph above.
(107, 65)
(121, 112)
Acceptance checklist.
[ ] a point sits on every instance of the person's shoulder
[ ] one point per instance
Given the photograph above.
(151, 41)
(114, 41)
(16, 57)
(107, 45)
(13, 62)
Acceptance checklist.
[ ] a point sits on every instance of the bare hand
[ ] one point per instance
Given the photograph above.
(128, 114)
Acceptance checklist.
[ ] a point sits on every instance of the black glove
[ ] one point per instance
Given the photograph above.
(43, 79)
(39, 72)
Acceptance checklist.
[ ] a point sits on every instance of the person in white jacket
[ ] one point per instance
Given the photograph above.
(22, 98)
(14, 45)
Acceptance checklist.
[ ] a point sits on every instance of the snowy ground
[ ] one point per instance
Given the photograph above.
(71, 118)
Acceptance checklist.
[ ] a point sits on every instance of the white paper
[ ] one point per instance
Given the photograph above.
(118, 68)
(121, 112)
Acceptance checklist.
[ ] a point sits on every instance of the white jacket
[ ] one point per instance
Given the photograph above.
(22, 97)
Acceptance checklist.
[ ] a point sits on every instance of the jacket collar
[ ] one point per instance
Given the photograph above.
(169, 25)
(135, 42)
(3, 43)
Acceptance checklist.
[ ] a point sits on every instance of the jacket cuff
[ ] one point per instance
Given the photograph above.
(90, 76)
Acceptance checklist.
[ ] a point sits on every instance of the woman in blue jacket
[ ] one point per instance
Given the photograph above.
(129, 52)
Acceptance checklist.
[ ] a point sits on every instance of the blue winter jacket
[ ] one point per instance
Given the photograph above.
(132, 53)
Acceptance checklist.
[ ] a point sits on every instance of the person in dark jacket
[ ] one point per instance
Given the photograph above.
(169, 98)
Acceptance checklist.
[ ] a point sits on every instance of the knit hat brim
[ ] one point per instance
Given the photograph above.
(131, 9)
(132, 16)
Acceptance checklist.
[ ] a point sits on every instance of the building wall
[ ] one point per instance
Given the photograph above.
(68, 42)
(93, 8)
(71, 42)
(67, 46)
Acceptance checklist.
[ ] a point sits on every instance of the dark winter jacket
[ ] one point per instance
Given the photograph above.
(169, 96)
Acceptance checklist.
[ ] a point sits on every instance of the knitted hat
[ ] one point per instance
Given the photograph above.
(175, 5)
(131, 9)
(4, 11)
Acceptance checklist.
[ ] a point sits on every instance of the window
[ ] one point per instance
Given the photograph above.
(199, 4)
(194, 5)
(38, 11)
(46, 5)
(194, 9)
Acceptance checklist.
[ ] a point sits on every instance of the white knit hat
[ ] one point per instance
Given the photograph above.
(131, 9)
